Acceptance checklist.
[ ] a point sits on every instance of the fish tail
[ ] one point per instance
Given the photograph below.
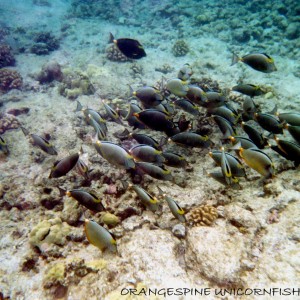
(111, 38)
(235, 59)
(79, 106)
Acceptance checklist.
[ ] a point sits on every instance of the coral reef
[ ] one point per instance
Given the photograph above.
(74, 84)
(136, 70)
(45, 42)
(114, 54)
(8, 121)
(10, 79)
(180, 48)
(165, 69)
(50, 72)
(203, 215)
(6, 56)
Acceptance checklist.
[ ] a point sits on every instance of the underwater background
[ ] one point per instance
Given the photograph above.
(190, 223)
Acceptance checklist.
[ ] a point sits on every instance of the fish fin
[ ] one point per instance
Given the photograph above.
(235, 59)
(111, 38)
(78, 107)
(62, 192)
(274, 110)
(160, 191)
(25, 131)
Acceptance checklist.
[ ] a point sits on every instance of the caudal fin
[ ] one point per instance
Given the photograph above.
(235, 59)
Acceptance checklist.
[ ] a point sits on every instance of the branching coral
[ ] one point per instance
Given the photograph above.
(203, 215)
(180, 48)
(6, 56)
(10, 79)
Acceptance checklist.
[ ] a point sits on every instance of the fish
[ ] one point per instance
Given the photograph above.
(177, 87)
(115, 154)
(187, 106)
(149, 96)
(145, 139)
(3, 146)
(269, 122)
(259, 161)
(41, 142)
(214, 99)
(99, 129)
(83, 169)
(185, 72)
(287, 149)
(64, 166)
(100, 237)
(241, 141)
(191, 139)
(157, 120)
(131, 119)
(236, 166)
(258, 61)
(218, 176)
(147, 153)
(294, 132)
(174, 160)
(250, 90)
(157, 172)
(226, 113)
(87, 199)
(249, 109)
(147, 199)
(131, 48)
(112, 114)
(225, 126)
(196, 95)
(176, 210)
(290, 118)
(255, 136)
(225, 167)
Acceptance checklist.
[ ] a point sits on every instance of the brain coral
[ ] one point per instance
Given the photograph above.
(180, 48)
(10, 79)
(203, 215)
(6, 56)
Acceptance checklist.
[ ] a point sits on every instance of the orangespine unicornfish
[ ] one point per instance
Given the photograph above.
(225, 167)
(290, 118)
(191, 139)
(185, 72)
(148, 95)
(3, 146)
(258, 61)
(176, 210)
(187, 106)
(269, 123)
(100, 130)
(218, 176)
(145, 139)
(100, 237)
(196, 95)
(255, 136)
(112, 114)
(236, 167)
(259, 161)
(174, 160)
(147, 153)
(147, 199)
(158, 172)
(294, 132)
(177, 87)
(82, 169)
(156, 120)
(289, 150)
(225, 113)
(225, 126)
(63, 166)
(249, 109)
(250, 90)
(115, 154)
(214, 99)
(131, 119)
(129, 47)
(87, 199)
(40, 142)
(242, 141)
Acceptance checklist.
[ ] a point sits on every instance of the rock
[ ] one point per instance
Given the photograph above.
(179, 231)
(293, 31)
(72, 211)
(215, 254)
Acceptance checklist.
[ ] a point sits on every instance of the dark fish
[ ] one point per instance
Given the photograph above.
(226, 113)
(42, 143)
(196, 95)
(131, 119)
(82, 169)
(249, 109)
(155, 171)
(241, 142)
(294, 131)
(218, 176)
(255, 136)
(290, 118)
(113, 115)
(145, 139)
(3, 146)
(147, 153)
(87, 199)
(129, 47)
(225, 167)
(187, 106)
(249, 89)
(174, 160)
(269, 123)
(191, 139)
(225, 126)
(149, 96)
(214, 99)
(156, 120)
(258, 61)
(62, 167)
